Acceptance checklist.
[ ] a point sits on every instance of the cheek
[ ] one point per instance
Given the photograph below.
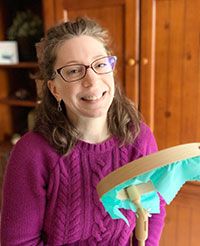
(62, 88)
(68, 93)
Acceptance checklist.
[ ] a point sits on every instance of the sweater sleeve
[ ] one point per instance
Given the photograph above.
(156, 221)
(24, 196)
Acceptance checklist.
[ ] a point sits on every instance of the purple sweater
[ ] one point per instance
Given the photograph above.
(49, 199)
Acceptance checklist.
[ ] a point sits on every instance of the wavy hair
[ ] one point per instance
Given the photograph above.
(123, 117)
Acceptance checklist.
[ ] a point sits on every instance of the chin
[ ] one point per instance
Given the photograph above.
(96, 114)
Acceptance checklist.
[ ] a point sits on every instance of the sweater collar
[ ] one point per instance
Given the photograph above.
(99, 147)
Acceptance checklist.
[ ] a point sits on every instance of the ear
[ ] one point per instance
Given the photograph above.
(54, 89)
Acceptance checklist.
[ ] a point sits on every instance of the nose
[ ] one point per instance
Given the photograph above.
(90, 78)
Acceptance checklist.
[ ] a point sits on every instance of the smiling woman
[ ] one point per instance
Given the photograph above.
(85, 128)
(86, 90)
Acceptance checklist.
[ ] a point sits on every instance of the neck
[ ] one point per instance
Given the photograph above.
(93, 130)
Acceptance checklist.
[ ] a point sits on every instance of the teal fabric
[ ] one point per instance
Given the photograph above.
(167, 180)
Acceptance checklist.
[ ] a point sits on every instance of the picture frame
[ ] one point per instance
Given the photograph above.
(9, 52)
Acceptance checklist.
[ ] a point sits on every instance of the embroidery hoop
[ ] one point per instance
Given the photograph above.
(141, 166)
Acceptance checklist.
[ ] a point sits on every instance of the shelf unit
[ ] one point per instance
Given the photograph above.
(26, 67)
(19, 96)
(18, 92)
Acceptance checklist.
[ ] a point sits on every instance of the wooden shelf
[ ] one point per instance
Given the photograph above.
(20, 65)
(17, 102)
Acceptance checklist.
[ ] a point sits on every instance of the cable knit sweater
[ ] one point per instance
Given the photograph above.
(49, 199)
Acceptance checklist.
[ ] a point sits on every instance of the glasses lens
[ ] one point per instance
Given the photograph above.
(104, 65)
(72, 72)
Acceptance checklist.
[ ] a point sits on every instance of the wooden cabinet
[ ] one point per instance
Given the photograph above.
(175, 104)
(17, 89)
(157, 44)
(176, 110)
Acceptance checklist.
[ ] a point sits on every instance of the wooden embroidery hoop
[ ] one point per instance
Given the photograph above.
(139, 167)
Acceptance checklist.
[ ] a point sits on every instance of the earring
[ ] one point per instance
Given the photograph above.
(59, 108)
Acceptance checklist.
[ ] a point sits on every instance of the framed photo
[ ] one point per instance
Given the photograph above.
(8, 52)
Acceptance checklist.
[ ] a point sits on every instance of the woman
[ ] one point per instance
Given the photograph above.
(85, 128)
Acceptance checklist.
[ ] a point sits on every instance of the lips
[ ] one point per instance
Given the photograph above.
(93, 97)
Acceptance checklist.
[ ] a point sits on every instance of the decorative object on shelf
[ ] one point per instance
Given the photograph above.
(15, 138)
(26, 29)
(22, 94)
(135, 186)
(8, 52)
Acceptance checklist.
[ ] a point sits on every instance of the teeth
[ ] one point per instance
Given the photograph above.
(91, 98)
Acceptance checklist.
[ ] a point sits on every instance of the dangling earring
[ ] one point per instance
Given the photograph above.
(59, 108)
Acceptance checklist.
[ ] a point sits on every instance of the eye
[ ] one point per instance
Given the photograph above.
(101, 65)
(72, 71)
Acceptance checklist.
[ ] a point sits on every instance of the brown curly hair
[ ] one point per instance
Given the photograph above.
(123, 118)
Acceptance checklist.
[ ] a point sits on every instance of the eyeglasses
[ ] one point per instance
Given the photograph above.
(72, 73)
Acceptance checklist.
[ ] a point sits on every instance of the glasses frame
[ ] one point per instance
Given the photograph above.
(58, 71)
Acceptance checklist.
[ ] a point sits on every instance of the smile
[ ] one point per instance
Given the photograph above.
(93, 98)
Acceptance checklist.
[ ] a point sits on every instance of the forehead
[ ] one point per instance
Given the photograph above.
(80, 48)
